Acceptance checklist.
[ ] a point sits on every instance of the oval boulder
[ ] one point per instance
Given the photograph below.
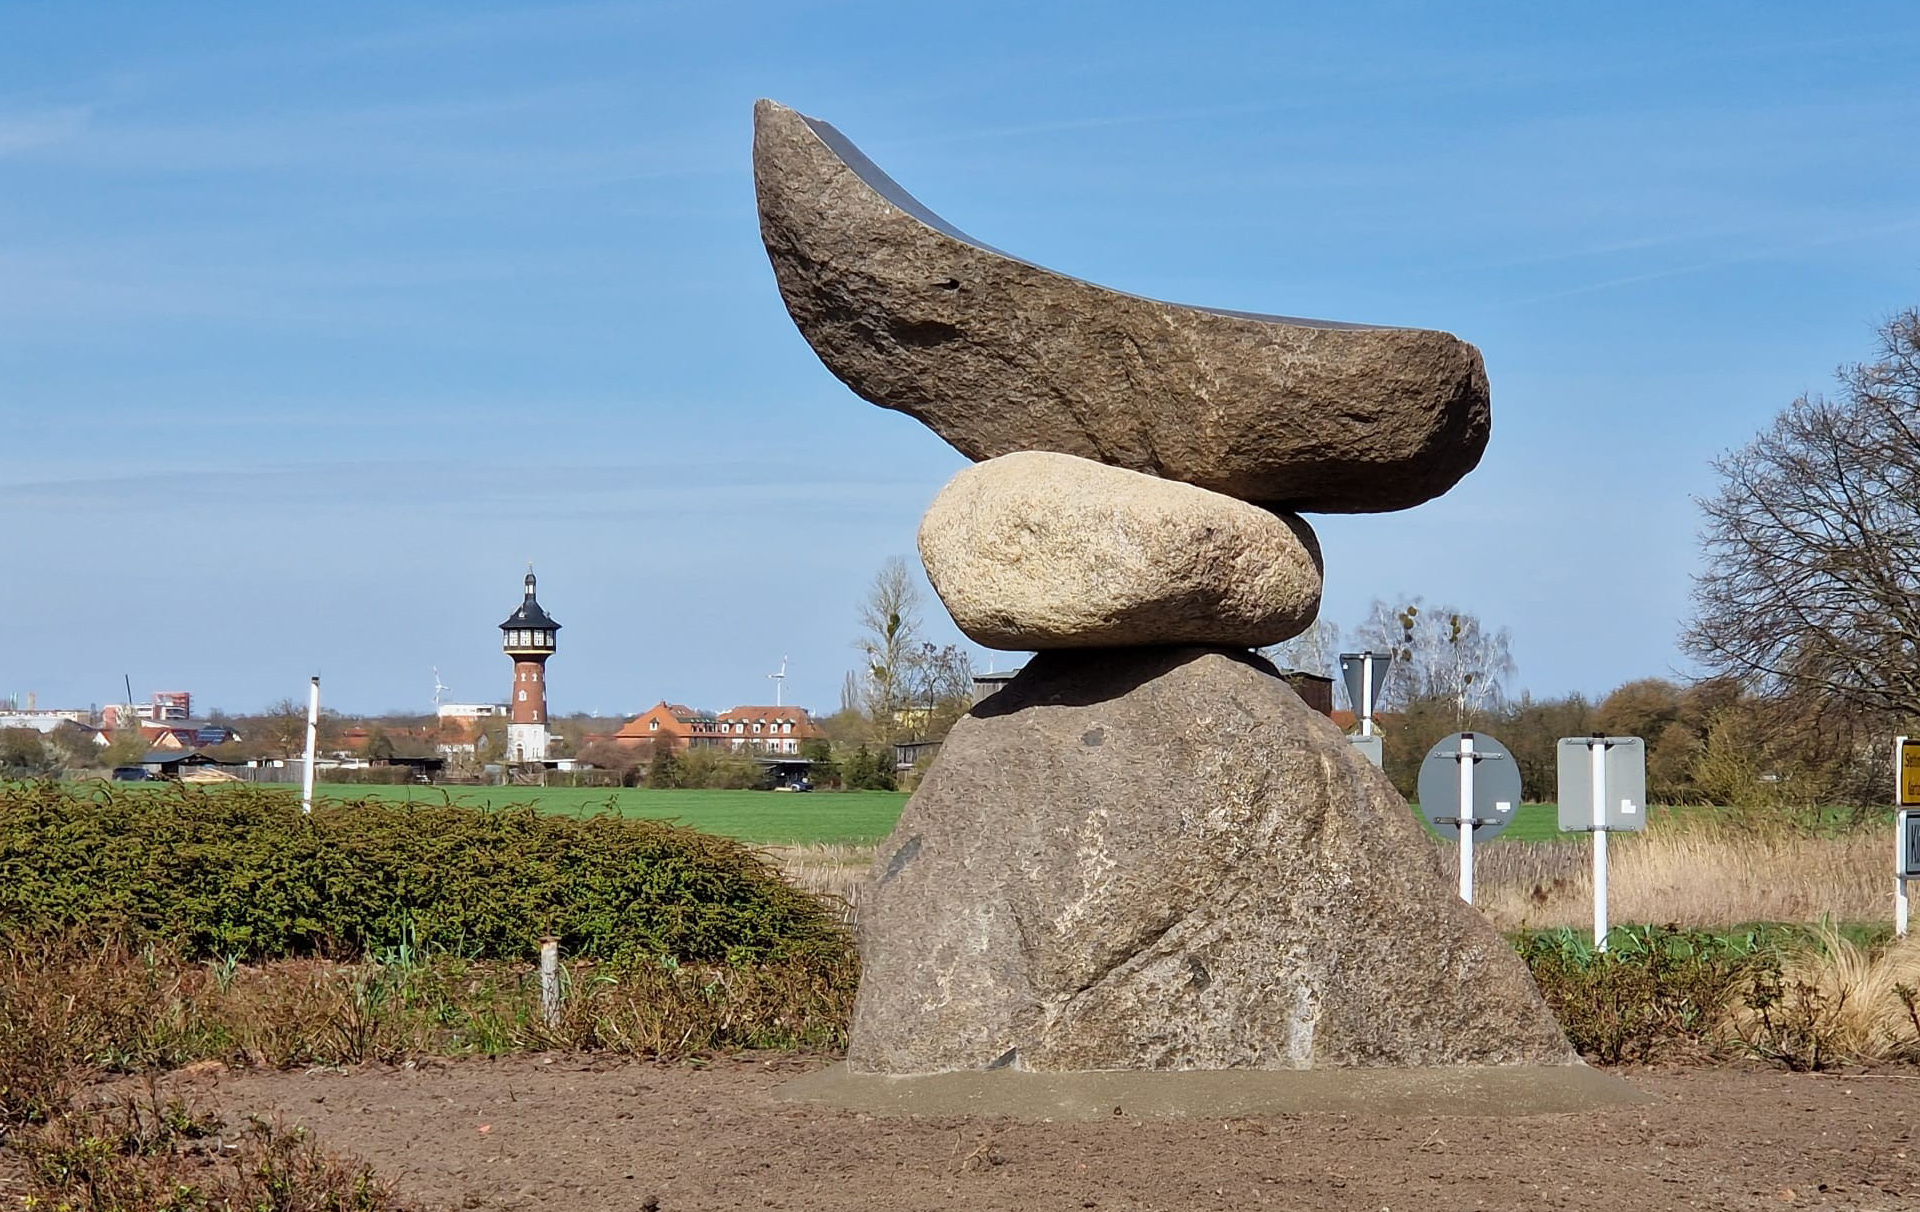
(1036, 550)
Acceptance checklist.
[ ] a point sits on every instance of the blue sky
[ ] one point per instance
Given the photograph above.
(317, 322)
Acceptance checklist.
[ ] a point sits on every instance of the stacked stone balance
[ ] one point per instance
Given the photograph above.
(1145, 853)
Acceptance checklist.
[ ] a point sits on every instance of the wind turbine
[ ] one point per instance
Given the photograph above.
(438, 686)
(779, 682)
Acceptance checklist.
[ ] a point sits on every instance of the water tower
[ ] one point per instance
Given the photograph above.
(528, 637)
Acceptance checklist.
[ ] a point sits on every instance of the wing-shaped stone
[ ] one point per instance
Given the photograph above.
(996, 354)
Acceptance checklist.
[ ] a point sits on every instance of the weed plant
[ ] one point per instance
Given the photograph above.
(160, 1153)
(74, 1010)
(1655, 994)
(1803, 999)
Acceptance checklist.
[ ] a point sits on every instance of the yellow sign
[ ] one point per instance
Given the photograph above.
(1909, 773)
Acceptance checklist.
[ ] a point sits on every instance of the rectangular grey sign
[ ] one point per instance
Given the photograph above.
(1909, 845)
(1624, 767)
(1370, 747)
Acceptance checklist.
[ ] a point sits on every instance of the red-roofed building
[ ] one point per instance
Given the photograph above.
(743, 729)
(768, 729)
(675, 723)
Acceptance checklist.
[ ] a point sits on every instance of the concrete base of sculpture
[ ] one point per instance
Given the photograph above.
(1220, 1094)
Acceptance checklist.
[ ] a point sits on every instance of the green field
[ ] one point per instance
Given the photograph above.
(753, 816)
(765, 816)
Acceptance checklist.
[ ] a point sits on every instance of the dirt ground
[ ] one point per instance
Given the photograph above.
(572, 1133)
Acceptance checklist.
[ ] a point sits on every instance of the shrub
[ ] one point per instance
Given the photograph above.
(163, 1154)
(1656, 994)
(224, 871)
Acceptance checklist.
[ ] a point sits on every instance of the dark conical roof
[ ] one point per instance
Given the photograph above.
(530, 614)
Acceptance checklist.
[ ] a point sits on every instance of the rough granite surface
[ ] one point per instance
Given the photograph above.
(996, 354)
(1162, 859)
(1037, 550)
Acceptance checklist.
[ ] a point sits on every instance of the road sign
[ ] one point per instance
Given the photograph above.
(1908, 760)
(1623, 783)
(1364, 674)
(1369, 747)
(1603, 789)
(1496, 786)
(1906, 864)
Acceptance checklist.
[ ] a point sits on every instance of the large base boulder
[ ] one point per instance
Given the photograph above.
(1162, 859)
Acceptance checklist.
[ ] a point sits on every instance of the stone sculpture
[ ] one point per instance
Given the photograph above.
(1145, 853)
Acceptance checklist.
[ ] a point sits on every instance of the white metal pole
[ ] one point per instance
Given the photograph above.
(1366, 693)
(1899, 839)
(313, 736)
(1466, 817)
(1597, 750)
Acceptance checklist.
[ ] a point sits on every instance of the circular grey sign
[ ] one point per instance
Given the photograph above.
(1496, 786)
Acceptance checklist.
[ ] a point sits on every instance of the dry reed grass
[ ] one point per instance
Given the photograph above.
(1697, 877)
(1834, 1001)
(1694, 877)
(832, 871)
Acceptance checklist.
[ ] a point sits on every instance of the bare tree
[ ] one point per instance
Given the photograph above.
(282, 727)
(889, 638)
(939, 685)
(1812, 544)
(1440, 653)
(1314, 650)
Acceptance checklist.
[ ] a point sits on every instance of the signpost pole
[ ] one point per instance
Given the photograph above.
(313, 734)
(1466, 817)
(1899, 838)
(1366, 693)
(1597, 751)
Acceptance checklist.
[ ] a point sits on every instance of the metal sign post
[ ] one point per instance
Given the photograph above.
(1598, 758)
(1906, 856)
(1603, 789)
(1465, 758)
(1457, 793)
(1906, 827)
(313, 736)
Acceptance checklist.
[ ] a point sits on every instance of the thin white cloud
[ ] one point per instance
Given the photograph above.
(20, 132)
(1772, 253)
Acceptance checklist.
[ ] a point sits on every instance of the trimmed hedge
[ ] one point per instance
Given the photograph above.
(239, 871)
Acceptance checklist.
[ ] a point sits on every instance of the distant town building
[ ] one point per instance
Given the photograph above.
(187, 734)
(768, 729)
(679, 726)
(43, 721)
(985, 684)
(528, 637)
(47, 723)
(165, 707)
(758, 730)
(471, 711)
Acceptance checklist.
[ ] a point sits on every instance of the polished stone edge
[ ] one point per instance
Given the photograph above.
(1221, 1093)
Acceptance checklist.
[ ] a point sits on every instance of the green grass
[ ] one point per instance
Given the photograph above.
(768, 816)
(753, 816)
(1531, 823)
